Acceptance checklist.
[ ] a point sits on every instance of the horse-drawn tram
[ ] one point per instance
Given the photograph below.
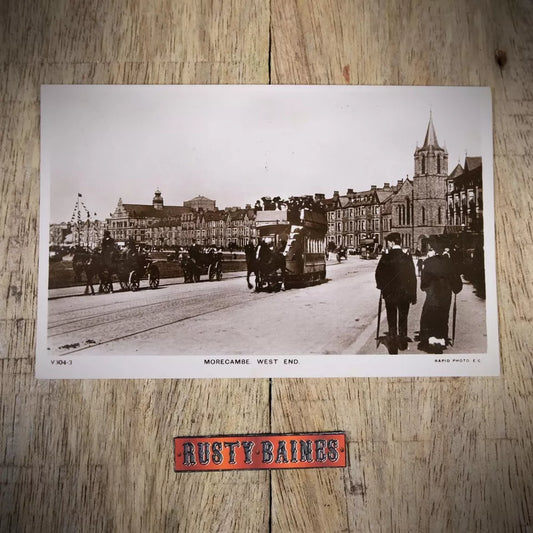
(300, 236)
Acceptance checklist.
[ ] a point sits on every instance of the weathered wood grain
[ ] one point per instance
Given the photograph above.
(98, 455)
(439, 454)
(425, 454)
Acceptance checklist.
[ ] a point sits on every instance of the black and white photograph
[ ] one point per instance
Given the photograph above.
(266, 231)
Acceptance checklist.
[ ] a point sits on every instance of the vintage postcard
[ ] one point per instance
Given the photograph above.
(266, 231)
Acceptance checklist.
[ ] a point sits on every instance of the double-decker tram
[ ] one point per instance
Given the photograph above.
(300, 236)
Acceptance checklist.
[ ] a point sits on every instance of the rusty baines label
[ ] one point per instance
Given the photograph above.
(257, 452)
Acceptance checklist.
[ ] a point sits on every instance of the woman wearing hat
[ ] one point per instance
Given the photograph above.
(439, 279)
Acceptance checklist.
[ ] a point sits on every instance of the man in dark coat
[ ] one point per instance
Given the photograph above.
(396, 278)
(108, 242)
(251, 266)
(194, 251)
(439, 279)
(108, 249)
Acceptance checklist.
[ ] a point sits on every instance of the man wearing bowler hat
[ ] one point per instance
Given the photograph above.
(396, 278)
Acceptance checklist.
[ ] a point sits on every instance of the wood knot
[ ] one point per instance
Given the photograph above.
(501, 57)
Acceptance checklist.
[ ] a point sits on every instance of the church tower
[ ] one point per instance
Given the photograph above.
(429, 187)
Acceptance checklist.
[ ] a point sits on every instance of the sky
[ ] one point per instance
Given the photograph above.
(235, 144)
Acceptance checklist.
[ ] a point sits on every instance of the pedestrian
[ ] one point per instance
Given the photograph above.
(396, 279)
(420, 266)
(440, 278)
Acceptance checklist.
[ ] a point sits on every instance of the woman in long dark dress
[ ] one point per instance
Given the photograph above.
(439, 280)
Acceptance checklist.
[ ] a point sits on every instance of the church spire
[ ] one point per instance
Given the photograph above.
(431, 137)
(431, 159)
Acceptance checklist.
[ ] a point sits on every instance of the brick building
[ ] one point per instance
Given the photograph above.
(146, 223)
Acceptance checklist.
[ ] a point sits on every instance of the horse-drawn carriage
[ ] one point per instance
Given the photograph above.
(341, 253)
(129, 271)
(297, 243)
(125, 267)
(201, 263)
(369, 249)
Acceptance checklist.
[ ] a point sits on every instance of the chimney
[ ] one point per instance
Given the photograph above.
(373, 187)
(386, 185)
(319, 196)
(335, 194)
(400, 182)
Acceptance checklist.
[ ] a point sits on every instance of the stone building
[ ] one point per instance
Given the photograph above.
(142, 222)
(429, 190)
(215, 222)
(402, 213)
(417, 208)
(58, 233)
(200, 203)
(163, 226)
(240, 226)
(464, 198)
(356, 216)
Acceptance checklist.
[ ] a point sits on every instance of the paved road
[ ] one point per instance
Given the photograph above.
(225, 318)
(217, 318)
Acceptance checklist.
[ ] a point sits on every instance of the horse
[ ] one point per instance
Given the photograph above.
(188, 267)
(200, 262)
(90, 264)
(251, 264)
(79, 259)
(270, 271)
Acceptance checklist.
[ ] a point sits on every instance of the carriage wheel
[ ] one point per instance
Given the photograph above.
(196, 276)
(124, 285)
(106, 283)
(219, 272)
(134, 281)
(153, 277)
(107, 286)
(211, 272)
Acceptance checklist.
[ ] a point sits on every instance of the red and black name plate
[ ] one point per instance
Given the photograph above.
(256, 452)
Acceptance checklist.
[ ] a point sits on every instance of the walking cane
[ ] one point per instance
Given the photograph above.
(454, 317)
(379, 319)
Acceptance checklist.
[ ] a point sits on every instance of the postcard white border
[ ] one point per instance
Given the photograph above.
(309, 366)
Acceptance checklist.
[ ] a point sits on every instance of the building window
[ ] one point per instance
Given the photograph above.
(438, 164)
(423, 215)
(423, 164)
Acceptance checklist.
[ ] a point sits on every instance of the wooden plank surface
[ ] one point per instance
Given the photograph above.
(425, 454)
